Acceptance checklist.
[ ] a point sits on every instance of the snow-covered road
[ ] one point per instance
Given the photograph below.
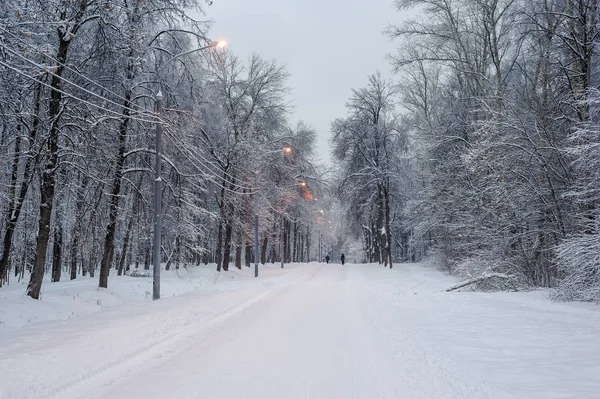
(316, 331)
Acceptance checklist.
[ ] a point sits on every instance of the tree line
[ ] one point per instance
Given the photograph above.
(485, 147)
(78, 116)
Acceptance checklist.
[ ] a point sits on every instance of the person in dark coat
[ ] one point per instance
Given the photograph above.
(327, 258)
(342, 258)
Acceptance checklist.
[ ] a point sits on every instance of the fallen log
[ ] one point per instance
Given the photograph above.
(478, 280)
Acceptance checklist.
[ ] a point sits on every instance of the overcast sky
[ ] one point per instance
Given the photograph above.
(328, 46)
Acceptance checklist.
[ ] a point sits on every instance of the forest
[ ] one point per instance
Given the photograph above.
(86, 86)
(485, 147)
(482, 149)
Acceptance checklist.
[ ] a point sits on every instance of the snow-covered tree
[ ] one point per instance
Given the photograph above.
(369, 145)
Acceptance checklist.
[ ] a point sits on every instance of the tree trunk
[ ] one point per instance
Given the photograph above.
(308, 244)
(227, 245)
(47, 196)
(177, 252)
(124, 253)
(376, 249)
(74, 245)
(170, 260)
(295, 244)
(92, 266)
(272, 248)
(13, 215)
(230, 210)
(147, 256)
(263, 253)
(367, 241)
(206, 256)
(12, 192)
(219, 245)
(109, 241)
(130, 250)
(380, 224)
(301, 255)
(92, 260)
(238, 249)
(285, 241)
(388, 228)
(248, 255)
(79, 203)
(288, 241)
(57, 254)
(48, 181)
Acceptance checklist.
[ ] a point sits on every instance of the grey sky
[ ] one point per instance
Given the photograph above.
(328, 46)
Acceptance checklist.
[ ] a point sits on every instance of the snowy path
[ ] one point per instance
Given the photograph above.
(317, 331)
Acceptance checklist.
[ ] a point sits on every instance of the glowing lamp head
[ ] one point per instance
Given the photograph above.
(221, 44)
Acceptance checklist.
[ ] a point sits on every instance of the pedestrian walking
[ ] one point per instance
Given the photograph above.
(327, 258)
(342, 258)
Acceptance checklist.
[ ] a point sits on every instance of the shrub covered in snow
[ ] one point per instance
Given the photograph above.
(486, 270)
(579, 262)
(579, 254)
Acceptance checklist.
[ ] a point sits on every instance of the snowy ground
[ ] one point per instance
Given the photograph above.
(72, 298)
(308, 331)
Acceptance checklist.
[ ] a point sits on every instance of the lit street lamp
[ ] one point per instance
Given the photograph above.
(157, 173)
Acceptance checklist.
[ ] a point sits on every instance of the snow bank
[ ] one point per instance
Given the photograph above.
(68, 299)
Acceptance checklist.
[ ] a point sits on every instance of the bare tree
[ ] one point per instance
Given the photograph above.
(368, 143)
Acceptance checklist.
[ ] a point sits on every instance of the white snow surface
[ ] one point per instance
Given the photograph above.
(307, 331)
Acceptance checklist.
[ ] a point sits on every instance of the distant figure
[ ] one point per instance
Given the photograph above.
(327, 258)
(342, 258)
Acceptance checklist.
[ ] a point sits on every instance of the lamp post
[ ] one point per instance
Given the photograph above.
(157, 201)
(255, 226)
(322, 212)
(320, 254)
(158, 178)
(281, 240)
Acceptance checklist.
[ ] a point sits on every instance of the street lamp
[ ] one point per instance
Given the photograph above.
(255, 225)
(220, 44)
(157, 174)
(157, 201)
